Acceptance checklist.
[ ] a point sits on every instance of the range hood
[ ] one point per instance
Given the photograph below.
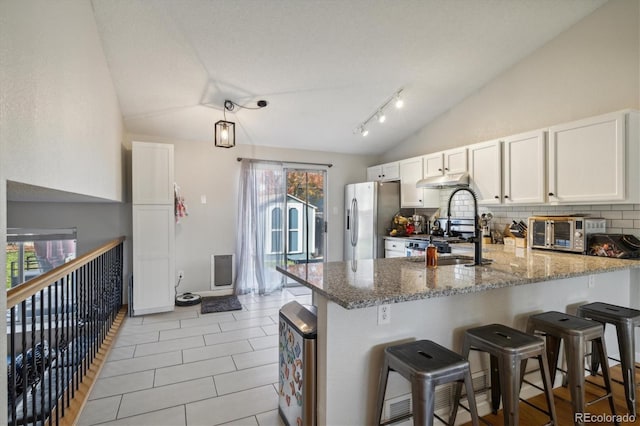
(453, 180)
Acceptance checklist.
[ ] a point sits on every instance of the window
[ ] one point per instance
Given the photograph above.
(32, 252)
(295, 230)
(275, 227)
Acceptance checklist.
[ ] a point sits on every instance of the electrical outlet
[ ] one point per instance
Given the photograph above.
(592, 281)
(180, 275)
(384, 314)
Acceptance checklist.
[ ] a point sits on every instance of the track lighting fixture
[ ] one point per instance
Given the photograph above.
(225, 131)
(380, 115)
(399, 101)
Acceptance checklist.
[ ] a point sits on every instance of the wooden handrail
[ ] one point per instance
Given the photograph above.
(23, 291)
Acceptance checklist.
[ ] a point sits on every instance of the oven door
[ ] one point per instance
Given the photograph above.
(538, 233)
(562, 234)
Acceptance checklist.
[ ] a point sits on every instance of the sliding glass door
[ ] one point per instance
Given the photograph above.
(305, 220)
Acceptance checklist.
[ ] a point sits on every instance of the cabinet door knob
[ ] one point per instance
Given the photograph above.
(439, 170)
(498, 197)
(446, 168)
(506, 196)
(551, 194)
(420, 201)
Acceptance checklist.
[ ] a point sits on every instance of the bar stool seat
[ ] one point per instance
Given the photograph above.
(426, 365)
(509, 350)
(575, 332)
(625, 320)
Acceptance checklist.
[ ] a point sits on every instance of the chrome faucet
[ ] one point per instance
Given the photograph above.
(477, 238)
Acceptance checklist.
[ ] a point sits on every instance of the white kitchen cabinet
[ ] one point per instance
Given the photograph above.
(152, 165)
(433, 165)
(411, 197)
(153, 228)
(153, 258)
(445, 162)
(485, 171)
(394, 248)
(384, 172)
(455, 160)
(525, 172)
(587, 160)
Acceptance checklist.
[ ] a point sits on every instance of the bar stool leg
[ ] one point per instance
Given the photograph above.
(510, 386)
(468, 383)
(548, 388)
(552, 344)
(626, 342)
(423, 401)
(553, 353)
(602, 352)
(495, 389)
(574, 347)
(382, 388)
(466, 348)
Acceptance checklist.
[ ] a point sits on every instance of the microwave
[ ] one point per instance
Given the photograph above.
(565, 233)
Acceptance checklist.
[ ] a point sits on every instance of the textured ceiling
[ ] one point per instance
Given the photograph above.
(323, 66)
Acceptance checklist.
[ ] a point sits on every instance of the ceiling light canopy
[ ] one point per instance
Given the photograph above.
(380, 115)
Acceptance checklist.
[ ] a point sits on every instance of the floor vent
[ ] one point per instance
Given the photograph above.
(222, 271)
(402, 405)
(396, 407)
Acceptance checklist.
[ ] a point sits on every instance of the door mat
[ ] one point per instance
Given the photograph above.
(212, 304)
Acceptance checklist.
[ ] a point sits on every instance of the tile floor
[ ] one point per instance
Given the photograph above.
(191, 369)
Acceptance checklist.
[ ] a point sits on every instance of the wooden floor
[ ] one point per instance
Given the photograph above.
(532, 417)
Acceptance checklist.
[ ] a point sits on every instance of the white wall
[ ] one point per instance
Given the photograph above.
(60, 122)
(202, 169)
(60, 118)
(592, 68)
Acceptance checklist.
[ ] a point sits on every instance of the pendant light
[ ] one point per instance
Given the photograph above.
(225, 134)
(225, 131)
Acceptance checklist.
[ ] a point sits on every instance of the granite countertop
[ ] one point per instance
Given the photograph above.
(370, 282)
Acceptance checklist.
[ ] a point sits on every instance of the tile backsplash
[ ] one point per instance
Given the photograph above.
(621, 218)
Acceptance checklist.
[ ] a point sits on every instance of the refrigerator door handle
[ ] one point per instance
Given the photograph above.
(354, 230)
(348, 219)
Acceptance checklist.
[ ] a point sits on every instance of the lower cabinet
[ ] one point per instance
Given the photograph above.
(153, 258)
(394, 248)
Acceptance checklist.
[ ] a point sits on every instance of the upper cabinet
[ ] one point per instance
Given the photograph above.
(485, 171)
(445, 162)
(525, 168)
(455, 160)
(152, 165)
(384, 172)
(411, 171)
(587, 160)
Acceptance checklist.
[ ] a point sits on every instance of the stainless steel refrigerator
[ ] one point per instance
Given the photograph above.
(369, 209)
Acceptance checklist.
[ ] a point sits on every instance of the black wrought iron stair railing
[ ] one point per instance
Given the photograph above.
(56, 325)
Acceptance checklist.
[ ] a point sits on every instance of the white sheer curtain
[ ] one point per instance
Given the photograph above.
(260, 235)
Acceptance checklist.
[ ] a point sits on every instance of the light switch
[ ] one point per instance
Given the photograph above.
(203, 199)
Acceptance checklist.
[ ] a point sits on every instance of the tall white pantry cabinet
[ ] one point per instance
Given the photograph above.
(153, 228)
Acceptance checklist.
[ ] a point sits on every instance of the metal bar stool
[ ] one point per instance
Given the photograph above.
(625, 320)
(575, 332)
(426, 365)
(509, 350)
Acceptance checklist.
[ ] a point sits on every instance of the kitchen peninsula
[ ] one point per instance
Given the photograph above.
(438, 304)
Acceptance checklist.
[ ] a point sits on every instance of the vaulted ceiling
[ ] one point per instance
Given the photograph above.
(323, 66)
